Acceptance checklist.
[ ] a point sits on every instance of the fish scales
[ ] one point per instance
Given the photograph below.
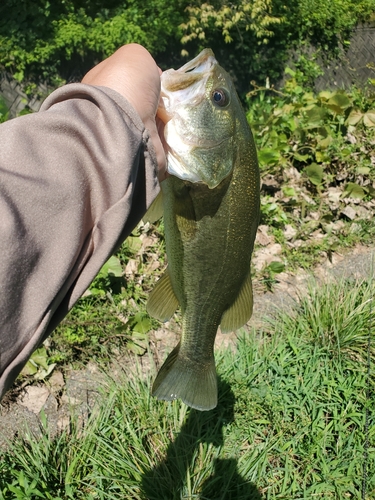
(211, 212)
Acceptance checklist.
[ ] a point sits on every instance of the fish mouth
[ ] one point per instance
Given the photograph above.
(190, 73)
(200, 64)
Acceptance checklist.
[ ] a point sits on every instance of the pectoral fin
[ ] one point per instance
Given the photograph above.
(241, 310)
(162, 301)
(155, 210)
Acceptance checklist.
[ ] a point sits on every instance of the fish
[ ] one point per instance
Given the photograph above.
(211, 203)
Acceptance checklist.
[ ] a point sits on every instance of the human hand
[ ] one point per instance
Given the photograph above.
(132, 72)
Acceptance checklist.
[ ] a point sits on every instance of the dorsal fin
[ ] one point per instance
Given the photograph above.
(241, 310)
(162, 301)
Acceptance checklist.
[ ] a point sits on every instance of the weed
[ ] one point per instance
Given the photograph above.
(289, 424)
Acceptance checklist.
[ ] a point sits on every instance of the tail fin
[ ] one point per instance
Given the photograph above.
(181, 378)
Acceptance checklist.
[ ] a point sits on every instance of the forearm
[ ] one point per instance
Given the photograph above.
(75, 179)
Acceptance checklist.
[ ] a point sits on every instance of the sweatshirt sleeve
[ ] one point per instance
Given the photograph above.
(75, 179)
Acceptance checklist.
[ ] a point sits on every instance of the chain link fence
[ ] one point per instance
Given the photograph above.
(14, 97)
(355, 65)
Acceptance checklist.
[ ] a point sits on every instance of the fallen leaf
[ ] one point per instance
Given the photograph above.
(363, 213)
(152, 266)
(292, 173)
(269, 183)
(56, 382)
(132, 267)
(352, 138)
(35, 398)
(369, 118)
(289, 232)
(349, 212)
(63, 422)
(317, 234)
(262, 237)
(264, 256)
(334, 194)
(147, 241)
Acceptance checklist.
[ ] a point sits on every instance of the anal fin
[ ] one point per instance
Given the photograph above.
(241, 310)
(162, 301)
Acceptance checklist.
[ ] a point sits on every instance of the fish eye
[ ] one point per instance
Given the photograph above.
(220, 97)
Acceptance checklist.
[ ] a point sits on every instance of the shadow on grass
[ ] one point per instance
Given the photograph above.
(167, 480)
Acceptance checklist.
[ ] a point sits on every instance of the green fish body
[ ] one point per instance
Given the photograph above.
(211, 211)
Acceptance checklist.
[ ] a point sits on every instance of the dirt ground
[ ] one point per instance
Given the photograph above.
(76, 392)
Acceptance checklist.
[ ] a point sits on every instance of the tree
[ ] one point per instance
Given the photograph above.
(60, 40)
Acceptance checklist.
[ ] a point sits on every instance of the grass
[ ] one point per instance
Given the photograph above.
(290, 423)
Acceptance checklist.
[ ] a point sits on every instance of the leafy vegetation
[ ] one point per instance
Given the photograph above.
(290, 423)
(112, 312)
(255, 39)
(4, 111)
(56, 41)
(317, 156)
(59, 41)
(291, 419)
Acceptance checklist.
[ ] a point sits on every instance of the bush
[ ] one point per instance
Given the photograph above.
(255, 37)
(61, 40)
(316, 154)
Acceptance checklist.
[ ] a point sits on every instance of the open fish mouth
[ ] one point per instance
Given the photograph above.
(192, 76)
(200, 64)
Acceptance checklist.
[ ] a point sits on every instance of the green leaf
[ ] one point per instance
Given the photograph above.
(325, 95)
(288, 191)
(44, 373)
(315, 173)
(276, 267)
(302, 158)
(25, 111)
(29, 369)
(4, 111)
(290, 72)
(322, 156)
(40, 357)
(112, 266)
(268, 156)
(340, 99)
(135, 348)
(324, 143)
(315, 116)
(143, 325)
(134, 243)
(353, 190)
(339, 102)
(95, 291)
(363, 170)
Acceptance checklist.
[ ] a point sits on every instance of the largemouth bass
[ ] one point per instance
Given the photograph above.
(211, 210)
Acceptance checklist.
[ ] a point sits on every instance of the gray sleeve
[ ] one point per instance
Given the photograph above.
(75, 179)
